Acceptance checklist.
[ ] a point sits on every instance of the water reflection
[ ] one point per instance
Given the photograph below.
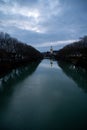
(15, 76)
(51, 62)
(79, 75)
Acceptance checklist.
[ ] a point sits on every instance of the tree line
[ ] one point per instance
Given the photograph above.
(12, 49)
(76, 49)
(75, 53)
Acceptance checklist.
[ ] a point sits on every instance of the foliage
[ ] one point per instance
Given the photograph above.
(12, 49)
(76, 49)
(75, 53)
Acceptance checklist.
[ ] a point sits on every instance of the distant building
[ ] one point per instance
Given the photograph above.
(51, 50)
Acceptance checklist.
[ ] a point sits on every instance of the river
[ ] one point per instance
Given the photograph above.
(49, 95)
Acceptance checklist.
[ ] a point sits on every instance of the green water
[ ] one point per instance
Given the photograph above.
(44, 96)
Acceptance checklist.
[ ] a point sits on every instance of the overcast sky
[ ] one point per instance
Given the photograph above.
(42, 23)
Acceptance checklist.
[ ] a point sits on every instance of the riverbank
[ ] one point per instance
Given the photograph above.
(14, 53)
(6, 67)
(75, 53)
(77, 61)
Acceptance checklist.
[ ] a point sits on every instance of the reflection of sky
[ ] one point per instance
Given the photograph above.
(42, 23)
(51, 65)
(45, 99)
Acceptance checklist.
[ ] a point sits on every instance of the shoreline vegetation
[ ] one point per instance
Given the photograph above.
(14, 53)
(75, 53)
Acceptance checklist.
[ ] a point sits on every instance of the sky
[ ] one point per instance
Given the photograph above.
(44, 23)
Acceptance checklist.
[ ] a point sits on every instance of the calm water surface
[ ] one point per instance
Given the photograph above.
(44, 96)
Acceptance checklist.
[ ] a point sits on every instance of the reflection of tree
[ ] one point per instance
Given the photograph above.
(8, 84)
(17, 75)
(79, 75)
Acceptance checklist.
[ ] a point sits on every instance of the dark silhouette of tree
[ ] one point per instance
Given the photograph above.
(13, 50)
(75, 52)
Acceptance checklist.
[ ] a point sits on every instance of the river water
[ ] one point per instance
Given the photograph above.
(49, 95)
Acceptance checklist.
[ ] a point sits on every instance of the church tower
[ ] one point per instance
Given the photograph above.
(51, 50)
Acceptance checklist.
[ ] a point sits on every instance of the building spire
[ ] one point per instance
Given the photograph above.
(51, 50)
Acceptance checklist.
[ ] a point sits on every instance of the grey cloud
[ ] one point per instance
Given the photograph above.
(20, 2)
(2, 2)
(41, 21)
(26, 2)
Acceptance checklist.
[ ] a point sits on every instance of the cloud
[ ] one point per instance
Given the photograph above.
(35, 16)
(55, 43)
(23, 25)
(17, 9)
(44, 21)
